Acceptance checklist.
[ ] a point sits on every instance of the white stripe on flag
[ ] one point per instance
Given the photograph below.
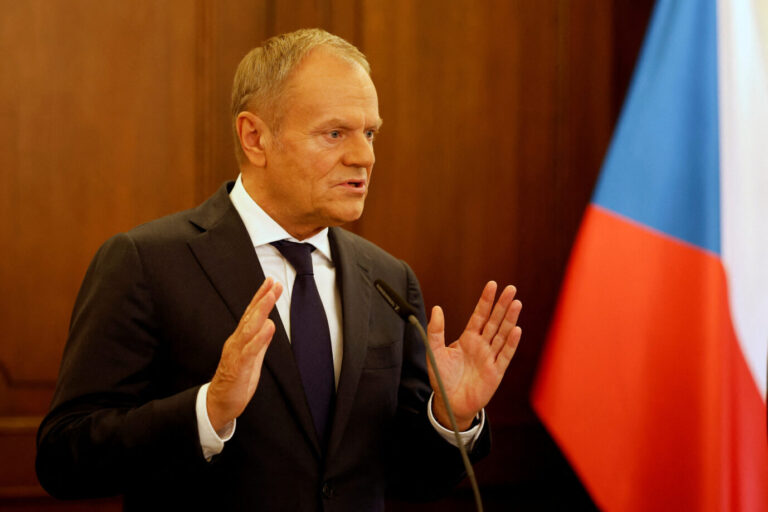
(743, 108)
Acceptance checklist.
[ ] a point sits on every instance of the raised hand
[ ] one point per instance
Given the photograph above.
(239, 369)
(472, 366)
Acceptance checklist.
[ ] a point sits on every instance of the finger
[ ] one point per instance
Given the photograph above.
(277, 289)
(263, 306)
(263, 289)
(257, 345)
(499, 313)
(252, 322)
(436, 328)
(267, 302)
(509, 349)
(260, 293)
(482, 309)
(509, 322)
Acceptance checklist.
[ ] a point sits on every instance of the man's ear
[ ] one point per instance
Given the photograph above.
(253, 134)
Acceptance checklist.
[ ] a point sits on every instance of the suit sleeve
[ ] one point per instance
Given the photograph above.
(111, 428)
(426, 466)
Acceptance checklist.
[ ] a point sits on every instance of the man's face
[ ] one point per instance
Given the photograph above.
(319, 165)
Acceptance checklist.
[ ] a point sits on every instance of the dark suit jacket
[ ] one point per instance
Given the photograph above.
(155, 307)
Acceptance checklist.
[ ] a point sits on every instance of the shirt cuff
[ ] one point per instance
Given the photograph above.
(468, 437)
(211, 442)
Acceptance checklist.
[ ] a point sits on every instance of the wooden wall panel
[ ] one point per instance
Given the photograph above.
(468, 164)
(340, 17)
(95, 105)
(493, 113)
(497, 115)
(226, 32)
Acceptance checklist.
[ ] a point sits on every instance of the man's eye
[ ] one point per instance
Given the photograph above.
(371, 134)
(334, 134)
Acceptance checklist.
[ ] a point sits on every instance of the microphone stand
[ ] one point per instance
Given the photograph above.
(407, 312)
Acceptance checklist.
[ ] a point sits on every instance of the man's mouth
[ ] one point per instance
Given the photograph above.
(354, 184)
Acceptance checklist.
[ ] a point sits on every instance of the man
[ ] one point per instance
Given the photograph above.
(208, 368)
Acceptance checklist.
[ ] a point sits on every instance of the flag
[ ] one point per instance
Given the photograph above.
(653, 377)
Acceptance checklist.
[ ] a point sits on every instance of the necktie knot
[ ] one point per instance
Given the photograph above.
(299, 255)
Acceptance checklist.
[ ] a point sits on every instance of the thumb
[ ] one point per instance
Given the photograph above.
(436, 329)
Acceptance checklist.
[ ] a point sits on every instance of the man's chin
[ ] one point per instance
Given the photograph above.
(345, 217)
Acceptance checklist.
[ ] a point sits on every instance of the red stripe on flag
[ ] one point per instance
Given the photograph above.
(642, 382)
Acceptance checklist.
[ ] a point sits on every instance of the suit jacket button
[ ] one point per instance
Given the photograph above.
(327, 490)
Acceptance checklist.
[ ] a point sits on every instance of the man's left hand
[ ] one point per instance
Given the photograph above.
(472, 366)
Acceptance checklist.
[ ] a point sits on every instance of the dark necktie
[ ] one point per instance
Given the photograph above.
(310, 337)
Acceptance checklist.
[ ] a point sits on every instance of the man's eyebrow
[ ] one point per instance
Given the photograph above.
(340, 123)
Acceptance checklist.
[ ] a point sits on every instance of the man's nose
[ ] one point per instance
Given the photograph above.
(359, 152)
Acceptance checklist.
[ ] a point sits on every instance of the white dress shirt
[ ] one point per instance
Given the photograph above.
(263, 230)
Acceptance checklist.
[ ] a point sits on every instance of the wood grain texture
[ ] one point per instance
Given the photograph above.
(226, 31)
(95, 106)
(495, 125)
(97, 119)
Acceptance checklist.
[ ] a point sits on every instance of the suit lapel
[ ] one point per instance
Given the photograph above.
(226, 255)
(354, 281)
(224, 251)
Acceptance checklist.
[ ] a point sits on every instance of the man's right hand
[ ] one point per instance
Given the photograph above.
(239, 368)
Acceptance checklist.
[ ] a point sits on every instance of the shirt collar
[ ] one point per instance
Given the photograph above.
(263, 229)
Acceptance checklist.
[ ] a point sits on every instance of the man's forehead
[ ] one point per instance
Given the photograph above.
(372, 123)
(322, 68)
(324, 56)
(329, 86)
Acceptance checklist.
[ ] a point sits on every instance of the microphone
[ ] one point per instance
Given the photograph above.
(397, 303)
(409, 314)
